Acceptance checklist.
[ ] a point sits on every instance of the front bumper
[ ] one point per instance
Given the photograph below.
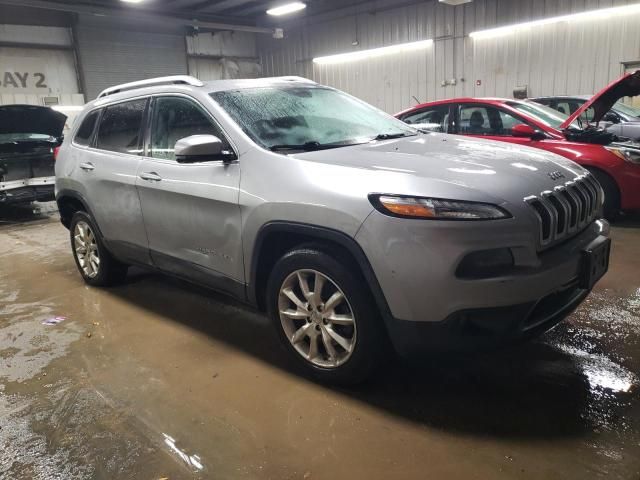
(477, 329)
(27, 190)
(431, 308)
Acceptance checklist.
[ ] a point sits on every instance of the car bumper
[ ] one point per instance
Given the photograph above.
(430, 307)
(27, 190)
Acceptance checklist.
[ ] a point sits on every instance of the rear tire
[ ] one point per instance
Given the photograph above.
(96, 265)
(340, 318)
(611, 207)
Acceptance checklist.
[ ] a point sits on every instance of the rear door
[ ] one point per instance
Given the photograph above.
(191, 210)
(107, 165)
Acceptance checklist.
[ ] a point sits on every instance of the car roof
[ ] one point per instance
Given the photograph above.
(495, 100)
(563, 97)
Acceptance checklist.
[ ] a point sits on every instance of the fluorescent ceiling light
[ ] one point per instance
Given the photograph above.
(601, 14)
(132, 1)
(286, 8)
(374, 52)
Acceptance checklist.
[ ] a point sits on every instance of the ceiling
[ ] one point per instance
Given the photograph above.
(239, 11)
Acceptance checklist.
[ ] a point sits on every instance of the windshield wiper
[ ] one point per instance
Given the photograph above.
(311, 146)
(307, 147)
(389, 136)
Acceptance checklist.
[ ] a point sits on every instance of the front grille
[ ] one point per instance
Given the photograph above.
(566, 210)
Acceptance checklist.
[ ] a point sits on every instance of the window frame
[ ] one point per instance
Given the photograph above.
(148, 125)
(104, 108)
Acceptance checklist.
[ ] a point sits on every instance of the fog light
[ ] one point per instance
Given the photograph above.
(486, 263)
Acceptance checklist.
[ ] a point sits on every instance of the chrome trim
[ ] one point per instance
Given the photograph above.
(557, 210)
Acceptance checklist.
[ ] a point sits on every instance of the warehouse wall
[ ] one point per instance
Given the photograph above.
(214, 56)
(111, 53)
(555, 59)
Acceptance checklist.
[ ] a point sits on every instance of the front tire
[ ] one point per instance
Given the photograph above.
(325, 316)
(96, 265)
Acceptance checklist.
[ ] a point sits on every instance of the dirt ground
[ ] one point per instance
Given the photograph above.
(159, 379)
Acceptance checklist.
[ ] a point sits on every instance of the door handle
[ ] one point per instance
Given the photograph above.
(87, 166)
(151, 176)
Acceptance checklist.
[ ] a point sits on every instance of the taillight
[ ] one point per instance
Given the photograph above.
(55, 153)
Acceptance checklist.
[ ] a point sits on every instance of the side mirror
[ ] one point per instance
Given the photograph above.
(201, 148)
(611, 117)
(524, 130)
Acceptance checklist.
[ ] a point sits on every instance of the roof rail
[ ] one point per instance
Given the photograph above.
(172, 80)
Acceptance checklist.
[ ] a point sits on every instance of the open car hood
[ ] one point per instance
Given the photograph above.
(627, 86)
(31, 119)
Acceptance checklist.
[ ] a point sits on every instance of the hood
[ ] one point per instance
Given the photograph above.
(447, 166)
(627, 86)
(31, 119)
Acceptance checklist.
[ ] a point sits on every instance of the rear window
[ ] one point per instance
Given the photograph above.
(120, 127)
(83, 137)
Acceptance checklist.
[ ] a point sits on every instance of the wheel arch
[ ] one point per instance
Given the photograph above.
(599, 171)
(70, 202)
(276, 238)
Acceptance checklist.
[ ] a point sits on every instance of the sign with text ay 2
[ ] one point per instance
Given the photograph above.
(23, 80)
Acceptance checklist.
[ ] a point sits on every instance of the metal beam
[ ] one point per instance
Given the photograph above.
(134, 14)
(225, 5)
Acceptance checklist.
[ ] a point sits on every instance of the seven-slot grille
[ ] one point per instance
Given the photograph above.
(566, 209)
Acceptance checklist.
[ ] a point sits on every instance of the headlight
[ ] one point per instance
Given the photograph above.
(627, 154)
(436, 208)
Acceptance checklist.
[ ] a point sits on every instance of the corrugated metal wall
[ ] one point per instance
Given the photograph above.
(578, 57)
(214, 56)
(110, 56)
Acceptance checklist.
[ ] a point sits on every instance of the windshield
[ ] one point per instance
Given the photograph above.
(307, 117)
(627, 109)
(543, 114)
(22, 137)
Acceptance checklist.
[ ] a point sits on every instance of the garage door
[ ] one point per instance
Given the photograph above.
(110, 57)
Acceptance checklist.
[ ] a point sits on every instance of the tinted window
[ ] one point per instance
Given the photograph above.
(83, 137)
(435, 118)
(120, 127)
(175, 118)
(486, 120)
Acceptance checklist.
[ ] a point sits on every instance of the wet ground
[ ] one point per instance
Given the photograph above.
(157, 379)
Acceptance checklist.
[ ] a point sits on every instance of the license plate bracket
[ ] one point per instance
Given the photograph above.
(595, 263)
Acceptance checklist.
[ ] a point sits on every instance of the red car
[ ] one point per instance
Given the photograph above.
(613, 161)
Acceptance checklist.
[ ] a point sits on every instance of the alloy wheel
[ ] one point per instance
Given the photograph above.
(86, 249)
(317, 318)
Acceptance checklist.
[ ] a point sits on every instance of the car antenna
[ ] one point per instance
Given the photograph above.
(414, 97)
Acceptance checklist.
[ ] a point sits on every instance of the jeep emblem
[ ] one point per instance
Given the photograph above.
(555, 175)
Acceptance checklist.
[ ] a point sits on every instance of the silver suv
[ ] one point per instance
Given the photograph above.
(354, 231)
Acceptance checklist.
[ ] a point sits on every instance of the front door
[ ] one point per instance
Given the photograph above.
(490, 122)
(191, 212)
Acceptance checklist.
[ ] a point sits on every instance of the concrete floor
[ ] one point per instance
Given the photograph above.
(160, 379)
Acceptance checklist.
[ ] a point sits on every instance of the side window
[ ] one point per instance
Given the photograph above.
(486, 120)
(435, 118)
(120, 127)
(175, 118)
(83, 135)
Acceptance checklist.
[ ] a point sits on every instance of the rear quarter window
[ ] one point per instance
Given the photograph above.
(84, 133)
(121, 127)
